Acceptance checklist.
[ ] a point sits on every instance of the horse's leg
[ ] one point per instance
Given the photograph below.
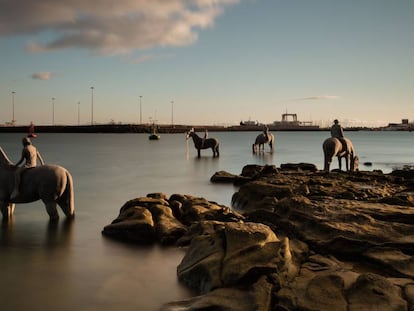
(218, 150)
(254, 148)
(214, 151)
(7, 209)
(347, 163)
(327, 162)
(51, 209)
(66, 208)
(340, 163)
(198, 153)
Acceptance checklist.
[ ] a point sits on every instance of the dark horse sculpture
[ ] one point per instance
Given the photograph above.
(200, 143)
(50, 183)
(261, 140)
(333, 147)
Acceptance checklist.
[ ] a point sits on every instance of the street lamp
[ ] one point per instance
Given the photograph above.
(78, 113)
(53, 111)
(92, 105)
(13, 107)
(172, 113)
(140, 110)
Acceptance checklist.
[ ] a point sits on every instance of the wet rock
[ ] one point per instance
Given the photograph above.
(299, 167)
(374, 292)
(295, 239)
(225, 177)
(134, 224)
(232, 254)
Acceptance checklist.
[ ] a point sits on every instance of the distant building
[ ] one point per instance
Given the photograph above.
(249, 123)
(290, 122)
(405, 125)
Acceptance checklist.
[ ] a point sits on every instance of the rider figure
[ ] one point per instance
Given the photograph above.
(30, 154)
(266, 132)
(204, 138)
(338, 132)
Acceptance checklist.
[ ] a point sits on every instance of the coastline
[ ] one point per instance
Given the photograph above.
(162, 129)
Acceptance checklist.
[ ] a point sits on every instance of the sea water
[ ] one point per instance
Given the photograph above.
(71, 266)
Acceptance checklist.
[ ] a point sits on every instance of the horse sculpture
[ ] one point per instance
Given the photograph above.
(200, 143)
(261, 140)
(333, 147)
(50, 183)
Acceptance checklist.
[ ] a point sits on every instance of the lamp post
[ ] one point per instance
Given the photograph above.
(53, 111)
(13, 120)
(78, 113)
(92, 105)
(140, 109)
(172, 113)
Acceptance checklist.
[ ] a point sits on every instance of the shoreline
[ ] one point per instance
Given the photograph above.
(162, 129)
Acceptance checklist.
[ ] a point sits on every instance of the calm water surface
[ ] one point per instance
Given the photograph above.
(70, 266)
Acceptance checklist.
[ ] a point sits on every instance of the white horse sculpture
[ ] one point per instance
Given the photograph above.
(50, 183)
(200, 143)
(261, 140)
(333, 147)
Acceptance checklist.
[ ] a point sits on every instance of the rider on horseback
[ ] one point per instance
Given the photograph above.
(30, 154)
(338, 132)
(266, 132)
(204, 138)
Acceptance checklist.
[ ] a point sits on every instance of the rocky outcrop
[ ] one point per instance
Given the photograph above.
(296, 239)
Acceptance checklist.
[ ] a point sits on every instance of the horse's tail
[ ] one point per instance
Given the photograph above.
(67, 199)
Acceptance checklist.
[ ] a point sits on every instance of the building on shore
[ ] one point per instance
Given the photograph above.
(405, 125)
(290, 122)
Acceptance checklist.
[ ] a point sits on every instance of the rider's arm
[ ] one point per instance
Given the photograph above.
(40, 158)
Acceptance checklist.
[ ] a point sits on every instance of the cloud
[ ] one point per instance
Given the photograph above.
(46, 75)
(319, 97)
(107, 26)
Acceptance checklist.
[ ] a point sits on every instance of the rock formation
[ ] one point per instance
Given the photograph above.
(296, 239)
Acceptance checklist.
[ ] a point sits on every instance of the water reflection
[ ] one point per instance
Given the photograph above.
(56, 234)
(264, 157)
(59, 233)
(7, 226)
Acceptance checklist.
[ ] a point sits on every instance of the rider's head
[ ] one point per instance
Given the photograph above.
(26, 141)
(336, 121)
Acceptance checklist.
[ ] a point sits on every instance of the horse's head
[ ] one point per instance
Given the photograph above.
(4, 160)
(354, 163)
(189, 133)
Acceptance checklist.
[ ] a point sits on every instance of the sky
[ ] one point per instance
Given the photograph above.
(206, 62)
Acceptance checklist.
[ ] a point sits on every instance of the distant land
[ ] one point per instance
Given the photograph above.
(147, 128)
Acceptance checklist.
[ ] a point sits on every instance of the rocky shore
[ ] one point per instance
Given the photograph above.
(295, 239)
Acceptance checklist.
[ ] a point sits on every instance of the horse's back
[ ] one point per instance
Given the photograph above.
(44, 180)
(331, 145)
(212, 141)
(261, 138)
(334, 145)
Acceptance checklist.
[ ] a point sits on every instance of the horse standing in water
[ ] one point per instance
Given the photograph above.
(200, 143)
(333, 147)
(52, 184)
(261, 140)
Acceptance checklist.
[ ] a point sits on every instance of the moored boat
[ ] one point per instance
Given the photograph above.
(154, 135)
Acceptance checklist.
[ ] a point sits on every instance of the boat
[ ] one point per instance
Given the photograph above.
(154, 134)
(31, 133)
